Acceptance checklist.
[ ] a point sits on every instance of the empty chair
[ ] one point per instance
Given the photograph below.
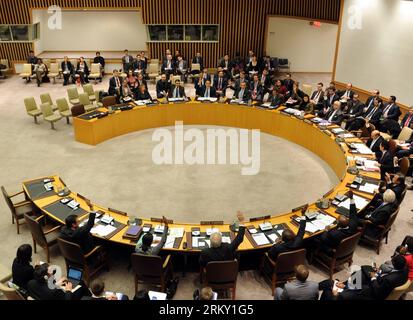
(153, 70)
(64, 109)
(384, 232)
(84, 99)
(97, 97)
(404, 165)
(46, 98)
(283, 269)
(78, 110)
(151, 270)
(91, 263)
(53, 71)
(341, 255)
(405, 134)
(43, 238)
(31, 108)
(284, 64)
(49, 115)
(222, 275)
(18, 209)
(59, 64)
(73, 95)
(88, 88)
(27, 71)
(109, 101)
(74, 62)
(5, 71)
(95, 72)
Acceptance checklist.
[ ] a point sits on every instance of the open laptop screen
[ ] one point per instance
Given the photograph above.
(75, 274)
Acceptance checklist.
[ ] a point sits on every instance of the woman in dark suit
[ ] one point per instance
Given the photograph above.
(82, 70)
(22, 270)
(143, 93)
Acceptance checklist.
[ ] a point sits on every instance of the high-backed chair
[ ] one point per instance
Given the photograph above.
(27, 71)
(10, 293)
(98, 100)
(53, 71)
(283, 269)
(307, 89)
(95, 72)
(91, 263)
(18, 209)
(32, 109)
(59, 64)
(44, 238)
(405, 134)
(64, 109)
(151, 270)
(78, 110)
(398, 292)
(384, 232)
(153, 70)
(109, 101)
(73, 95)
(49, 115)
(222, 275)
(88, 88)
(46, 98)
(341, 255)
(404, 165)
(393, 147)
(5, 71)
(195, 70)
(84, 99)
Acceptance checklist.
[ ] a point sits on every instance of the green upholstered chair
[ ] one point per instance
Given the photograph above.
(84, 99)
(49, 115)
(54, 71)
(95, 72)
(98, 101)
(88, 88)
(64, 109)
(46, 98)
(27, 71)
(32, 109)
(73, 95)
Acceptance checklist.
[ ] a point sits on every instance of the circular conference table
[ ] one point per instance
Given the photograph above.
(303, 132)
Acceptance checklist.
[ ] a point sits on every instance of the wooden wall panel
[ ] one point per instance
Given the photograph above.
(242, 22)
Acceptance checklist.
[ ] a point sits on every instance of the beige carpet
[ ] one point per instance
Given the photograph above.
(184, 194)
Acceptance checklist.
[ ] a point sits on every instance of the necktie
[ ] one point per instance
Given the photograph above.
(241, 94)
(220, 83)
(409, 119)
(386, 111)
(370, 115)
(117, 82)
(317, 96)
(332, 116)
(207, 93)
(176, 92)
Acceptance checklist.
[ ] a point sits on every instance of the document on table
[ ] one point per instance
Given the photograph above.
(208, 99)
(260, 239)
(360, 203)
(310, 227)
(170, 241)
(226, 240)
(102, 231)
(156, 240)
(369, 188)
(370, 165)
(326, 219)
(266, 105)
(273, 237)
(176, 232)
(362, 148)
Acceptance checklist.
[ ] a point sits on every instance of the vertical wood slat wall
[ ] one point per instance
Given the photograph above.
(242, 22)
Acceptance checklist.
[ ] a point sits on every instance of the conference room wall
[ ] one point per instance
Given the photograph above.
(92, 30)
(295, 38)
(378, 55)
(242, 22)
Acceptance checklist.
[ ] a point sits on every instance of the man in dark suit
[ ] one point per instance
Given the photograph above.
(177, 90)
(370, 100)
(289, 82)
(72, 232)
(168, 66)
(391, 115)
(242, 94)
(276, 99)
(221, 84)
(346, 227)
(407, 121)
(328, 102)
(99, 59)
(371, 115)
(266, 82)
(354, 109)
(386, 159)
(256, 88)
(163, 86)
(300, 288)
(226, 65)
(67, 70)
(335, 115)
(115, 84)
(375, 142)
(380, 215)
(198, 59)
(317, 98)
(348, 93)
(127, 61)
(290, 241)
(208, 91)
(223, 251)
(242, 78)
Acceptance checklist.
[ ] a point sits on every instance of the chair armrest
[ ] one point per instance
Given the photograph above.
(166, 262)
(40, 218)
(91, 253)
(16, 194)
(21, 204)
(52, 230)
(270, 260)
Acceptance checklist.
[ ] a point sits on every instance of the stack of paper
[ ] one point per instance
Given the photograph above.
(176, 232)
(362, 148)
(369, 188)
(293, 111)
(170, 241)
(266, 105)
(156, 240)
(226, 240)
(260, 239)
(360, 203)
(273, 237)
(102, 231)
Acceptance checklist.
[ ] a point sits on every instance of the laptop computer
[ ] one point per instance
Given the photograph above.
(74, 276)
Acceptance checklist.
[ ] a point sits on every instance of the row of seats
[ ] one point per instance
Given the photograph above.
(47, 108)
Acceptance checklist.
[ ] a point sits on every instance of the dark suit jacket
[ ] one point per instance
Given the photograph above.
(333, 237)
(381, 215)
(199, 60)
(165, 64)
(212, 92)
(405, 122)
(342, 93)
(224, 83)
(143, 96)
(376, 147)
(338, 117)
(328, 102)
(181, 91)
(259, 89)
(276, 101)
(387, 163)
(69, 66)
(81, 235)
(321, 99)
(246, 97)
(22, 274)
(376, 115)
(112, 85)
(162, 86)
(41, 291)
(355, 110)
(86, 68)
(381, 288)
(226, 252)
(282, 247)
(100, 60)
(394, 112)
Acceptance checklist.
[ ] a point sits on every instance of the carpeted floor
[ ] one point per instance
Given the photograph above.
(184, 194)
